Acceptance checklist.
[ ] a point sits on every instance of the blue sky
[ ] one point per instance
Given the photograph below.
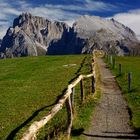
(125, 11)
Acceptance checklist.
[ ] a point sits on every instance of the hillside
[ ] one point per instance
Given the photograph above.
(33, 36)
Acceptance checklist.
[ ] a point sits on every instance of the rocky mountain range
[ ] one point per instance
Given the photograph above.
(33, 36)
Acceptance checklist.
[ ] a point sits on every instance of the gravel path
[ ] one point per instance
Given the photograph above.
(111, 118)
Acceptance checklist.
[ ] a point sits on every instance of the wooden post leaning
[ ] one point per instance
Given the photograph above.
(31, 133)
(93, 84)
(72, 96)
(129, 81)
(120, 69)
(70, 117)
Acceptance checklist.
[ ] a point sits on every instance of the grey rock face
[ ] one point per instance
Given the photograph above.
(108, 35)
(33, 36)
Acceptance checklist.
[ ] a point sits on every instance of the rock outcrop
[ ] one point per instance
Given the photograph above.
(106, 34)
(33, 36)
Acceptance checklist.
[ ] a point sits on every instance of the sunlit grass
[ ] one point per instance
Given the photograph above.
(30, 86)
(130, 64)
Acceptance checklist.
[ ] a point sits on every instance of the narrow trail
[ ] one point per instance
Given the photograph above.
(111, 117)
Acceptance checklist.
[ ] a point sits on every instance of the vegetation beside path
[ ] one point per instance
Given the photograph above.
(130, 64)
(84, 112)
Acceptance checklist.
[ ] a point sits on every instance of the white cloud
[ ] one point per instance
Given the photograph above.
(11, 11)
(88, 6)
(2, 16)
(54, 12)
(130, 19)
(69, 12)
(7, 9)
(100, 6)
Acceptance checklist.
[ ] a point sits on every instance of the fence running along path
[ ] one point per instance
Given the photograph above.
(67, 99)
(112, 63)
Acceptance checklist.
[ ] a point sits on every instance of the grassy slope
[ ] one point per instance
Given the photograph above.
(131, 64)
(29, 86)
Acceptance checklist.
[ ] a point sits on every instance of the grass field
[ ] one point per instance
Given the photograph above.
(30, 86)
(130, 64)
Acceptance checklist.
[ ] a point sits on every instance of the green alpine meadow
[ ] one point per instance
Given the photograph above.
(130, 65)
(29, 88)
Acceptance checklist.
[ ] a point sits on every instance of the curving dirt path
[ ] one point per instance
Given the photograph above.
(111, 117)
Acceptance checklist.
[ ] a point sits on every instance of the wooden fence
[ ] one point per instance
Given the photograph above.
(111, 61)
(67, 99)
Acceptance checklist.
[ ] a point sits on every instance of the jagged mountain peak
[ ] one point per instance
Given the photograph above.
(33, 35)
(86, 23)
(94, 24)
(26, 18)
(103, 34)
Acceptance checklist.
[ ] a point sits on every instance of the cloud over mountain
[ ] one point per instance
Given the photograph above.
(130, 19)
(66, 10)
(33, 35)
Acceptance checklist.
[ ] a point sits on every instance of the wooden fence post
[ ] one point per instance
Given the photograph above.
(72, 96)
(70, 116)
(120, 69)
(129, 81)
(82, 89)
(93, 84)
(68, 99)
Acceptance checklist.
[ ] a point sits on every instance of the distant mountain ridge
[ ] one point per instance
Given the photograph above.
(33, 36)
(106, 34)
